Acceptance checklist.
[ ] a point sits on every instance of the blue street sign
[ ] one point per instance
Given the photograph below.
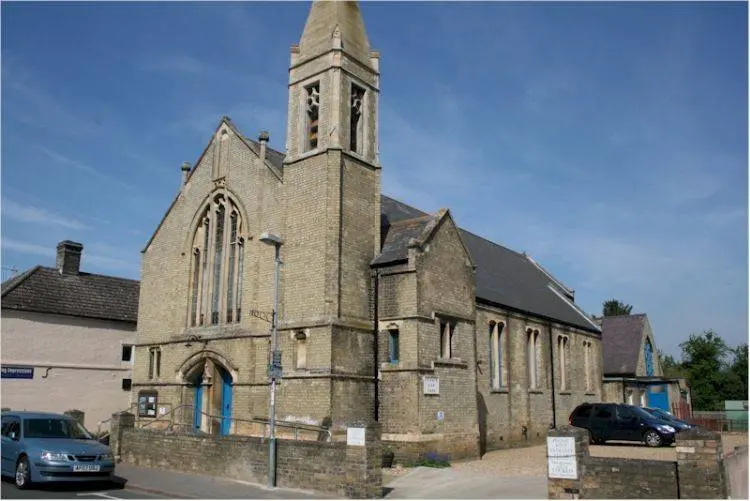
(15, 372)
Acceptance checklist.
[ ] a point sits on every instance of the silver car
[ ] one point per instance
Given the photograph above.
(46, 447)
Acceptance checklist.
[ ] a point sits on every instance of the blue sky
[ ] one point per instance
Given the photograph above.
(607, 140)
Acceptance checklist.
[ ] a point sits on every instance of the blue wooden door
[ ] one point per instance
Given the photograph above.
(198, 406)
(658, 397)
(226, 402)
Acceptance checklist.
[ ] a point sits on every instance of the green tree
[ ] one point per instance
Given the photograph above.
(736, 378)
(671, 367)
(613, 308)
(705, 362)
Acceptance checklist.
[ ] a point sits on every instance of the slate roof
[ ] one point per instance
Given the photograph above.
(396, 244)
(276, 158)
(503, 277)
(45, 290)
(621, 341)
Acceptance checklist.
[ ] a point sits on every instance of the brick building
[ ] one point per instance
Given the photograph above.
(632, 372)
(477, 346)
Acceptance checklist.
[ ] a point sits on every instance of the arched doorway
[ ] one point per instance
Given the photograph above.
(212, 389)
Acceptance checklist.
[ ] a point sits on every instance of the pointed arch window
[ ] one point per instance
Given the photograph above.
(217, 265)
(648, 353)
(497, 369)
(356, 122)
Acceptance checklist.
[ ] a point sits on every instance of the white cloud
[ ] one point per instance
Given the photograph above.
(103, 261)
(62, 159)
(30, 214)
(27, 248)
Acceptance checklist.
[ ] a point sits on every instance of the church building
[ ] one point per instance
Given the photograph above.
(451, 342)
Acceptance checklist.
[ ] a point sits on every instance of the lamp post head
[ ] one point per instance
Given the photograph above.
(271, 239)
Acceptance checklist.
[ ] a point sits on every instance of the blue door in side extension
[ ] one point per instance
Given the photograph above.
(658, 397)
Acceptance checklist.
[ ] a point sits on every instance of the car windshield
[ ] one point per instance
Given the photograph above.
(660, 413)
(644, 413)
(54, 428)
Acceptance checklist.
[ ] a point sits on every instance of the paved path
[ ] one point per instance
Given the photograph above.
(190, 486)
(449, 483)
(134, 482)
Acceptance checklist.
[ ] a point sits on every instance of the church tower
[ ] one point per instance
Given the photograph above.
(331, 211)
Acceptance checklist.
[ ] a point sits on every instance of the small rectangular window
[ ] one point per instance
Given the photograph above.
(446, 339)
(127, 384)
(154, 363)
(127, 352)
(356, 125)
(393, 347)
(312, 110)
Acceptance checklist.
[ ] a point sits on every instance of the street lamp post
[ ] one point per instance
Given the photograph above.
(274, 369)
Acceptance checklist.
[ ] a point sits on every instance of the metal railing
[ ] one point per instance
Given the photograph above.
(175, 422)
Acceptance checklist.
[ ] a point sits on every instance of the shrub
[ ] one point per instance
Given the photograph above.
(434, 460)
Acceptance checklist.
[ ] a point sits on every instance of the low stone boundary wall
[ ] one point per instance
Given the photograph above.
(352, 471)
(698, 473)
(610, 478)
(736, 469)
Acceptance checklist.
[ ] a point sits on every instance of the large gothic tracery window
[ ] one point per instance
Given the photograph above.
(217, 265)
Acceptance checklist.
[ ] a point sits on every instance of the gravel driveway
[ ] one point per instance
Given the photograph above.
(532, 460)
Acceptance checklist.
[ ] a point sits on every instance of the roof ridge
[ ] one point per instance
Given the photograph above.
(11, 286)
(410, 220)
(85, 273)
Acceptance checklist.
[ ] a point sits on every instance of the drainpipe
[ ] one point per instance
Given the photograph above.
(375, 332)
(552, 375)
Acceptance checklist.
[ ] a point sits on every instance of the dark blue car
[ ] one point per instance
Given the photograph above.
(45, 447)
(679, 424)
(610, 421)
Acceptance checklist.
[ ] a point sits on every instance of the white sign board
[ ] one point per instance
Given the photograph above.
(355, 436)
(431, 385)
(440, 415)
(561, 457)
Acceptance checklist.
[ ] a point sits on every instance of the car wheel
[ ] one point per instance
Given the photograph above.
(23, 473)
(652, 438)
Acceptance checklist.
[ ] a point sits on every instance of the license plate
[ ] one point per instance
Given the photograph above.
(86, 467)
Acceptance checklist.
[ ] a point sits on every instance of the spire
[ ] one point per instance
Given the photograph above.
(335, 24)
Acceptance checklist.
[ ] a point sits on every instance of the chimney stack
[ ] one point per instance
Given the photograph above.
(185, 171)
(263, 140)
(69, 257)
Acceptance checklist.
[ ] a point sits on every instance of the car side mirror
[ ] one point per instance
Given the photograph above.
(13, 435)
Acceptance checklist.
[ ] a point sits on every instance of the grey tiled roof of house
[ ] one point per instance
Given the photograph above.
(46, 290)
(396, 243)
(621, 341)
(504, 277)
(276, 158)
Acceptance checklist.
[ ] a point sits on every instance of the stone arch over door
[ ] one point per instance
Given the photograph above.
(210, 382)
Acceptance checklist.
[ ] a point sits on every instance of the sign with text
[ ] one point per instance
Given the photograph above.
(431, 385)
(355, 436)
(16, 372)
(561, 457)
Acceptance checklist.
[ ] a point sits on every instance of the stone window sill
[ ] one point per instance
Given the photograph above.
(590, 394)
(452, 362)
(565, 392)
(537, 391)
(503, 390)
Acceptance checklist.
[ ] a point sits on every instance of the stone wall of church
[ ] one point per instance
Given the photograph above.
(515, 414)
(441, 289)
(163, 305)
